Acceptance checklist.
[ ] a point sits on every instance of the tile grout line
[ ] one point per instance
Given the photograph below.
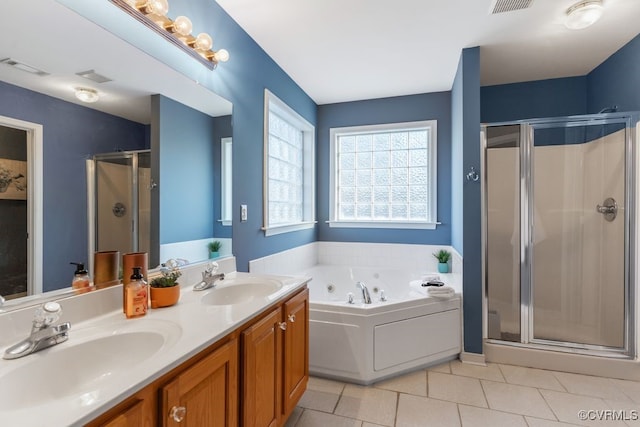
(339, 399)
(395, 418)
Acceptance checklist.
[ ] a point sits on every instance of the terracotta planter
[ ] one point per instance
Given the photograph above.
(164, 297)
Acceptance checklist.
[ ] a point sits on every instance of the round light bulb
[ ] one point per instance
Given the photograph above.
(222, 55)
(204, 41)
(182, 25)
(158, 7)
(583, 14)
(85, 94)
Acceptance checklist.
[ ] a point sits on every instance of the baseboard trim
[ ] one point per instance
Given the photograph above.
(473, 358)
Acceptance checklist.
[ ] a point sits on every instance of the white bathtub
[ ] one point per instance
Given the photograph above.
(365, 343)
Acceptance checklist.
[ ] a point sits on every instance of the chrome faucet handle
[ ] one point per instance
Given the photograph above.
(212, 267)
(46, 315)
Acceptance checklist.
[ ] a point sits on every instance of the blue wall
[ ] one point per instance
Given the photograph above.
(185, 177)
(616, 81)
(432, 106)
(466, 130)
(71, 134)
(540, 98)
(222, 128)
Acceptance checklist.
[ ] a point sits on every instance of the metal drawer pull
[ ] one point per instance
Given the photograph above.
(283, 325)
(178, 413)
(292, 318)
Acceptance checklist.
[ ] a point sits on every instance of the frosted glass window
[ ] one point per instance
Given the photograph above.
(289, 174)
(384, 175)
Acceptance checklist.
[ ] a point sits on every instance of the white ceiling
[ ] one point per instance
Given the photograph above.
(336, 50)
(55, 39)
(345, 50)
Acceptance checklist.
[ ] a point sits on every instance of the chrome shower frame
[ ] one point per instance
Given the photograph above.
(631, 208)
(92, 197)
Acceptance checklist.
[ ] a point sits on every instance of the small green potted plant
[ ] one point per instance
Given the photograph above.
(214, 248)
(443, 257)
(165, 289)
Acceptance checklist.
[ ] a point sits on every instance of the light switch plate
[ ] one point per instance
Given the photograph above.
(243, 213)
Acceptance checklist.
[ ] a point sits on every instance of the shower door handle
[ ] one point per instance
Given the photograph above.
(609, 209)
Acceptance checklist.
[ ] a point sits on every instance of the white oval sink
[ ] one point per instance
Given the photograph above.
(241, 293)
(76, 369)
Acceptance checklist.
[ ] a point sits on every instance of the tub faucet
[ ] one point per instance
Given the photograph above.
(365, 292)
(43, 334)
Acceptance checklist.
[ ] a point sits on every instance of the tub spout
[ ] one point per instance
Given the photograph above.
(365, 292)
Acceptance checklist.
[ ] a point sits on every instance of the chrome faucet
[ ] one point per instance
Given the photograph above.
(365, 292)
(43, 334)
(209, 277)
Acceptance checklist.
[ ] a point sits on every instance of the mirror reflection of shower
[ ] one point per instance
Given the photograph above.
(120, 198)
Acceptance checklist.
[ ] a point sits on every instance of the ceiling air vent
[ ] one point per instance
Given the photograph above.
(23, 67)
(93, 76)
(510, 5)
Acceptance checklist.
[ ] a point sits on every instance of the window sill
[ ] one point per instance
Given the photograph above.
(384, 224)
(225, 222)
(271, 231)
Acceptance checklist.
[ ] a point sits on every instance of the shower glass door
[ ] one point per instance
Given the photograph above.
(123, 201)
(502, 199)
(559, 233)
(576, 231)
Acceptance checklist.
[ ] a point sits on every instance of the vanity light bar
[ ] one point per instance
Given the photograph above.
(151, 13)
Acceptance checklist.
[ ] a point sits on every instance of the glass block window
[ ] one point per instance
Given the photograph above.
(384, 175)
(226, 180)
(289, 169)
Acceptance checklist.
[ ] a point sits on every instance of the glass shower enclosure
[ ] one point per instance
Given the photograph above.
(122, 201)
(559, 233)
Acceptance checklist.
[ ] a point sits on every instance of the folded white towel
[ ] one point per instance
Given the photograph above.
(441, 291)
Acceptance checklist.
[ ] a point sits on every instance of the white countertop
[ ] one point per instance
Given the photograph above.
(32, 398)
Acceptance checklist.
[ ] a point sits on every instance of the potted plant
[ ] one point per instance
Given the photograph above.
(214, 248)
(443, 257)
(165, 289)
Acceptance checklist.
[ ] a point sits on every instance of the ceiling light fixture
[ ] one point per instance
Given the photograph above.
(86, 94)
(152, 13)
(583, 14)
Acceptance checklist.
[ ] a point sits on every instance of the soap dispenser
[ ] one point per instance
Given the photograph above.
(136, 295)
(81, 282)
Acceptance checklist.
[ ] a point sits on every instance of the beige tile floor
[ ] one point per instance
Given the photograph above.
(456, 394)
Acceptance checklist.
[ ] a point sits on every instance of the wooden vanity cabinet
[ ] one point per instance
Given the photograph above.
(206, 394)
(253, 377)
(296, 350)
(201, 392)
(275, 367)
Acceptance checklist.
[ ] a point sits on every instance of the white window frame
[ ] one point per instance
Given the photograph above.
(334, 133)
(273, 103)
(226, 191)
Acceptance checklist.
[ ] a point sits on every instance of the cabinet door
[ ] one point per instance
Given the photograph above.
(134, 416)
(262, 372)
(206, 394)
(137, 411)
(296, 350)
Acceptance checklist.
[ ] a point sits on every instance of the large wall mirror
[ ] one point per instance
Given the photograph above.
(175, 125)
